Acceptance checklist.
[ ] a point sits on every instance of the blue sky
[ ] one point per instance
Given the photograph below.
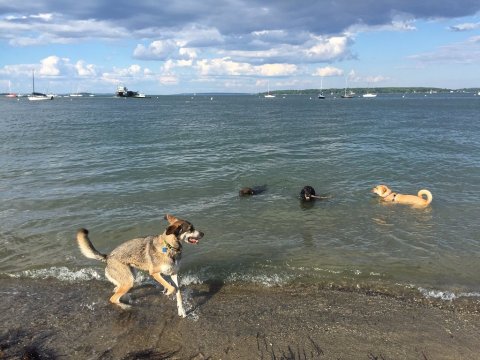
(160, 47)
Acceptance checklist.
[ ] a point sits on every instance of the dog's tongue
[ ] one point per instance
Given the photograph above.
(193, 241)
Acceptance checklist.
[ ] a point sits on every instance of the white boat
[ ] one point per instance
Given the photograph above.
(369, 94)
(39, 96)
(268, 95)
(36, 96)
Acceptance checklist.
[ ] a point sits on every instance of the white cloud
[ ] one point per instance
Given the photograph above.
(276, 69)
(52, 28)
(465, 27)
(327, 49)
(158, 50)
(376, 79)
(328, 71)
(223, 66)
(306, 49)
(120, 75)
(226, 66)
(50, 66)
(44, 17)
(163, 50)
(466, 52)
(168, 79)
(87, 70)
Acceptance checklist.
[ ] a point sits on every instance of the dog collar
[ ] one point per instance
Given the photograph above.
(394, 196)
(170, 247)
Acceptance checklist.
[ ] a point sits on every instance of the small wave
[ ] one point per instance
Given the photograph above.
(446, 295)
(61, 273)
(265, 280)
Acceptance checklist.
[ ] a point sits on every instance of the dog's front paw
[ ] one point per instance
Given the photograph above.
(169, 291)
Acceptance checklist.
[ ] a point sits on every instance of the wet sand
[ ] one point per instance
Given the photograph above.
(49, 319)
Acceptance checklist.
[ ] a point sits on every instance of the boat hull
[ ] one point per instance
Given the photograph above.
(39, 97)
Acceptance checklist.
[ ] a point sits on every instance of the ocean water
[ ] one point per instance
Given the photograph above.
(116, 166)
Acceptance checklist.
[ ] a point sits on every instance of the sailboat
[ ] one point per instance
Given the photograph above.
(268, 95)
(10, 94)
(321, 96)
(368, 94)
(35, 96)
(349, 95)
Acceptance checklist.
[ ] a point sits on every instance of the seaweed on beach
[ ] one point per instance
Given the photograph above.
(308, 351)
(150, 354)
(19, 344)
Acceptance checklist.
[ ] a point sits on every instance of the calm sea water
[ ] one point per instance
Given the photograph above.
(116, 166)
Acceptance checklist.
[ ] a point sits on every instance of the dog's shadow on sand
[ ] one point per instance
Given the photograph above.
(204, 296)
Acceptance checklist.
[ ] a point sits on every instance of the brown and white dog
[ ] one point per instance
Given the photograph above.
(157, 255)
(415, 200)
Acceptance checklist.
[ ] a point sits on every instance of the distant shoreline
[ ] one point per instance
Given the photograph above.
(356, 90)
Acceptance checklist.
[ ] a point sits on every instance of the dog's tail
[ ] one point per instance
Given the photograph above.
(86, 246)
(428, 194)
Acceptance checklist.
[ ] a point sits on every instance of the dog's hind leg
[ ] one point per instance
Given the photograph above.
(181, 311)
(121, 276)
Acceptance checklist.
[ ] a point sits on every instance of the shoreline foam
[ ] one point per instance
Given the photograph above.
(65, 274)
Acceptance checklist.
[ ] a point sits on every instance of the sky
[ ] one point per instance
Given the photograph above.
(237, 46)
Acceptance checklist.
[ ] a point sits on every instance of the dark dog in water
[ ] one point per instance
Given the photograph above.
(308, 194)
(256, 190)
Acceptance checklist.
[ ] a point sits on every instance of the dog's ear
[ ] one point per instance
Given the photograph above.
(170, 218)
(178, 229)
(172, 229)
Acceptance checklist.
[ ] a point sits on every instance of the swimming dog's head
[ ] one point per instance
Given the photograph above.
(307, 193)
(256, 190)
(183, 230)
(246, 191)
(381, 190)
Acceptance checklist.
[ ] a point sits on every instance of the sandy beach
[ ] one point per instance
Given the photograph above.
(50, 319)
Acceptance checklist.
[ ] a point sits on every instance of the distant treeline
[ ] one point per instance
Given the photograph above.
(376, 90)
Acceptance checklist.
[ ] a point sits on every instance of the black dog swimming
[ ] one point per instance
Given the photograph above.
(256, 190)
(308, 194)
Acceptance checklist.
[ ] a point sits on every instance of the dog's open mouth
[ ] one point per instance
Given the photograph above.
(193, 240)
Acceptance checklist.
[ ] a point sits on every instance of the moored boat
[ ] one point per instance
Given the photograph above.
(36, 96)
(320, 95)
(10, 93)
(268, 95)
(122, 91)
